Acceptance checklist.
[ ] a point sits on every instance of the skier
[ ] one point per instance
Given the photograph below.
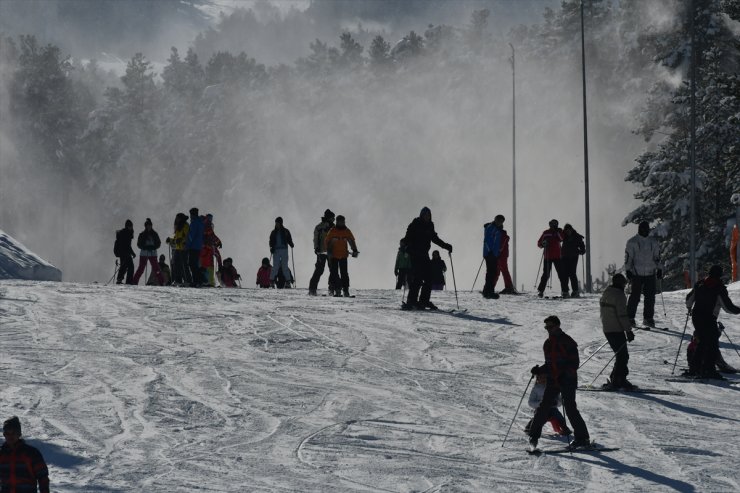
(263, 274)
(211, 244)
(617, 328)
(335, 243)
(402, 269)
(194, 244)
(210, 238)
(560, 367)
(642, 265)
(180, 270)
(228, 274)
(572, 247)
(22, 467)
(319, 234)
(419, 237)
(438, 269)
(122, 249)
(148, 241)
(166, 274)
(492, 241)
(704, 302)
(280, 240)
(503, 266)
(732, 233)
(556, 420)
(550, 240)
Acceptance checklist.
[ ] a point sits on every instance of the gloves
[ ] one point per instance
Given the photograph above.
(133, 255)
(629, 275)
(316, 251)
(659, 274)
(448, 247)
(168, 240)
(355, 254)
(535, 370)
(543, 243)
(630, 336)
(272, 250)
(395, 272)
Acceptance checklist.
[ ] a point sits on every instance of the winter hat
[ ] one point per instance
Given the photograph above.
(567, 226)
(425, 210)
(161, 258)
(148, 221)
(128, 223)
(279, 220)
(210, 217)
(499, 217)
(619, 280)
(715, 271)
(553, 320)
(12, 424)
(265, 261)
(328, 214)
(228, 260)
(553, 223)
(340, 218)
(194, 211)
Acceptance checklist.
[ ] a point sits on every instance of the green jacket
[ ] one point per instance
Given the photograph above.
(403, 261)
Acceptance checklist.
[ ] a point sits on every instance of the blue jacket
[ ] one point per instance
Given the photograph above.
(492, 238)
(195, 234)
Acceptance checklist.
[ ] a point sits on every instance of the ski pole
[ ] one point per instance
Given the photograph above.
(292, 258)
(476, 276)
(538, 268)
(594, 354)
(607, 364)
(728, 338)
(688, 313)
(517, 410)
(662, 299)
(115, 271)
(452, 267)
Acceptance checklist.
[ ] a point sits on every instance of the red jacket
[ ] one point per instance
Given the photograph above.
(22, 469)
(263, 277)
(504, 246)
(561, 357)
(553, 238)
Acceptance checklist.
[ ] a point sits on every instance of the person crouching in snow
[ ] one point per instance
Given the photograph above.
(554, 418)
(336, 248)
(166, 273)
(263, 274)
(228, 274)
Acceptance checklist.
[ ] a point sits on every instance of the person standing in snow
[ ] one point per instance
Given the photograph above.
(561, 369)
(572, 247)
(319, 235)
(402, 269)
(704, 302)
(180, 271)
(550, 240)
(616, 324)
(336, 244)
(493, 234)
(438, 268)
(503, 266)
(556, 420)
(263, 274)
(22, 467)
(420, 235)
(642, 265)
(148, 242)
(280, 240)
(194, 244)
(122, 249)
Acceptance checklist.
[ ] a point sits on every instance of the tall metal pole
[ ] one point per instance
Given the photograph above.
(513, 163)
(692, 152)
(587, 281)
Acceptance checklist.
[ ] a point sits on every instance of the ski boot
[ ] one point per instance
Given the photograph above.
(345, 292)
(580, 443)
(628, 386)
(575, 294)
(532, 444)
(430, 306)
(648, 323)
(565, 294)
(312, 292)
(540, 294)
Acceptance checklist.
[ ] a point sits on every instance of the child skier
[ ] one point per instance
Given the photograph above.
(438, 269)
(403, 265)
(555, 418)
(263, 274)
(228, 274)
(166, 274)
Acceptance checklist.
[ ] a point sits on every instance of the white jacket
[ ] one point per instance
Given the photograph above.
(642, 256)
(536, 395)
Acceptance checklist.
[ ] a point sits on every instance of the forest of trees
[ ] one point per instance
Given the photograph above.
(211, 122)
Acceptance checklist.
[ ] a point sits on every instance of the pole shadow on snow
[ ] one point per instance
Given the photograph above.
(679, 407)
(618, 467)
(475, 318)
(57, 456)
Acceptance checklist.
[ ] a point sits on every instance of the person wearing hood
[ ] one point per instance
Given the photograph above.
(22, 467)
(148, 242)
(704, 302)
(549, 241)
(122, 249)
(319, 235)
(572, 247)
(280, 240)
(420, 235)
(642, 266)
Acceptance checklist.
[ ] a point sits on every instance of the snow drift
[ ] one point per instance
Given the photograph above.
(18, 262)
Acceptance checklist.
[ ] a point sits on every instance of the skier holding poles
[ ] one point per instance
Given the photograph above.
(549, 241)
(616, 324)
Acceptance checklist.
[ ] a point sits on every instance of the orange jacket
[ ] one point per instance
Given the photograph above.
(336, 242)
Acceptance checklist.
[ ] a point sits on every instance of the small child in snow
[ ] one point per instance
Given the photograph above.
(263, 274)
(228, 274)
(403, 265)
(556, 419)
(438, 269)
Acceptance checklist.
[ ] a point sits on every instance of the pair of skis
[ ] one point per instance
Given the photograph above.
(592, 449)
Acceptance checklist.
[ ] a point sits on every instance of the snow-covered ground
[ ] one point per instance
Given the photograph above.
(164, 389)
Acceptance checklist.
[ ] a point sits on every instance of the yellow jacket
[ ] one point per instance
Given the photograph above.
(180, 237)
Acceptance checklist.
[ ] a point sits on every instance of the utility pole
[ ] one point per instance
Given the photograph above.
(587, 281)
(692, 151)
(513, 163)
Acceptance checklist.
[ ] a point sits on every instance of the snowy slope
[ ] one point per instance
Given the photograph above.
(17, 262)
(164, 389)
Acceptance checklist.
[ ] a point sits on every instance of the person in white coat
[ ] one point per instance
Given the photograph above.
(556, 420)
(642, 266)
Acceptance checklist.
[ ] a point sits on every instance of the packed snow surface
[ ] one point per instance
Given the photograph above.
(18, 262)
(170, 389)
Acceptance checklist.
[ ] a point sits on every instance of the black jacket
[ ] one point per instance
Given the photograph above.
(708, 297)
(438, 269)
(419, 238)
(122, 246)
(148, 240)
(572, 245)
(288, 239)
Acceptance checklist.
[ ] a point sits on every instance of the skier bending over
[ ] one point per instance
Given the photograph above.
(561, 370)
(704, 302)
(618, 331)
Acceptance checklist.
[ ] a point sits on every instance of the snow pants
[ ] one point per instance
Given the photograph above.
(125, 267)
(194, 265)
(491, 274)
(547, 269)
(567, 389)
(155, 268)
(420, 289)
(570, 272)
(503, 269)
(642, 285)
(618, 343)
(180, 271)
(338, 275)
(556, 420)
(280, 259)
(706, 333)
(318, 271)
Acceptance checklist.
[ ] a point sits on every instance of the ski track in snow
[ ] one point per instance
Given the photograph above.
(164, 389)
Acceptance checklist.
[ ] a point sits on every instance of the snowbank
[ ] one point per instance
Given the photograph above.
(17, 262)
